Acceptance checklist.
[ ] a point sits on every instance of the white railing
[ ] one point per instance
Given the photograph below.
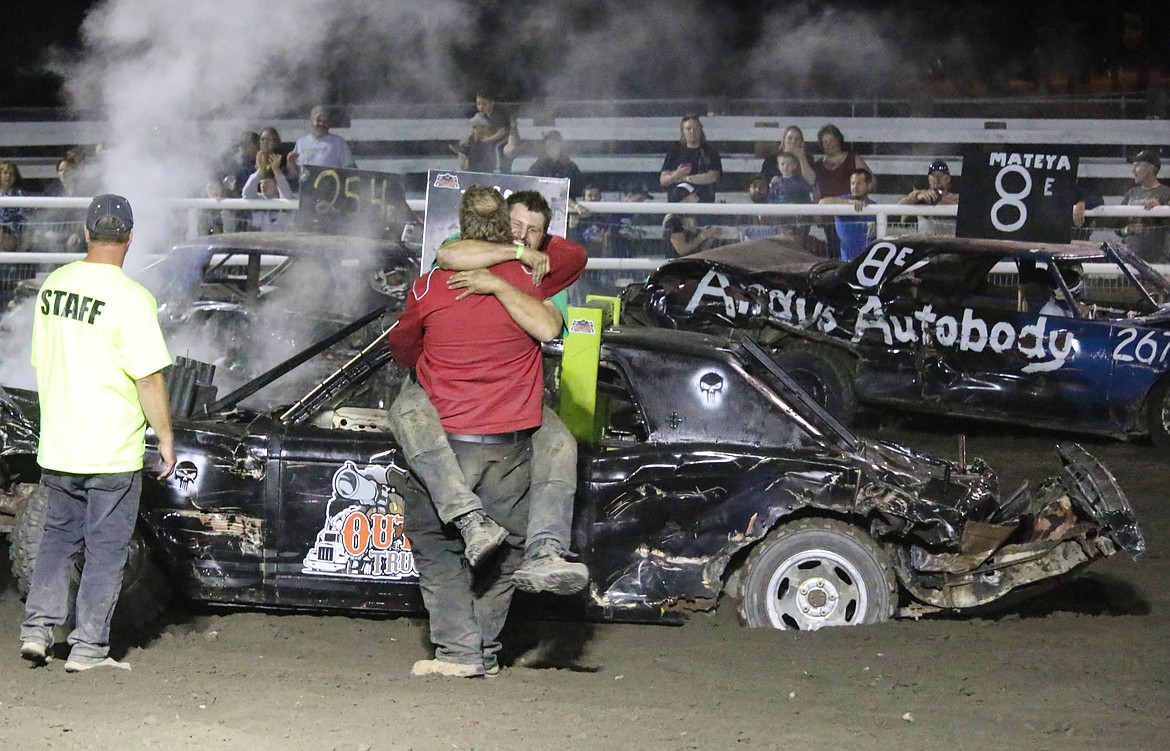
(881, 211)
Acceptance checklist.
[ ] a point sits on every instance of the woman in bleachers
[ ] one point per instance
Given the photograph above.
(793, 143)
(836, 164)
(833, 170)
(12, 218)
(692, 160)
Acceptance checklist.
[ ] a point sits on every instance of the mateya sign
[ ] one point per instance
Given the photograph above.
(1017, 193)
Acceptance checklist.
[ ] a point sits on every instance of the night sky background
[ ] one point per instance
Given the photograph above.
(747, 49)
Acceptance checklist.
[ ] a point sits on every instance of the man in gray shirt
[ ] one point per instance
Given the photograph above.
(1147, 237)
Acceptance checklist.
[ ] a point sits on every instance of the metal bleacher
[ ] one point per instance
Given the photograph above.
(610, 149)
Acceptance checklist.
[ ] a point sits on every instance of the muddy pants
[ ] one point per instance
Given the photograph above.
(467, 609)
(554, 467)
(90, 513)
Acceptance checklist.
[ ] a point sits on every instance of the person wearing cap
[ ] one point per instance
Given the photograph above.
(681, 233)
(936, 193)
(692, 160)
(1147, 237)
(99, 354)
(477, 153)
(319, 148)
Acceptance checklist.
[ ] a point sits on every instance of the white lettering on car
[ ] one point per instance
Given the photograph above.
(1144, 350)
(1046, 350)
(877, 261)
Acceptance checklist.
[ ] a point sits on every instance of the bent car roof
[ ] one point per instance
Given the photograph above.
(1075, 249)
(768, 254)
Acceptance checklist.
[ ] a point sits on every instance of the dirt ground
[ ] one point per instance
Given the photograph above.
(1082, 666)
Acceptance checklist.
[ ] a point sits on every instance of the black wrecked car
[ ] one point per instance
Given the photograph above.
(239, 300)
(710, 472)
(1072, 337)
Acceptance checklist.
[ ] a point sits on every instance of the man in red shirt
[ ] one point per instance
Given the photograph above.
(483, 373)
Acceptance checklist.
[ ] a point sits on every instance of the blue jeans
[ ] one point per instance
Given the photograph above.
(467, 609)
(91, 513)
(554, 467)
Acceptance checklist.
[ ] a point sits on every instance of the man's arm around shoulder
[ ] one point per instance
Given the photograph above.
(465, 255)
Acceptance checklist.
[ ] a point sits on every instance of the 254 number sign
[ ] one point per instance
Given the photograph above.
(350, 201)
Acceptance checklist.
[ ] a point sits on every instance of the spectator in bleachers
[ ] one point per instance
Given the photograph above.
(319, 148)
(61, 230)
(69, 178)
(636, 191)
(12, 218)
(791, 186)
(854, 233)
(936, 193)
(269, 182)
(834, 170)
(502, 131)
(215, 221)
(681, 233)
(554, 162)
(271, 143)
(692, 161)
(631, 229)
(792, 142)
(1084, 200)
(476, 152)
(758, 189)
(757, 225)
(500, 120)
(593, 231)
(241, 163)
(1147, 237)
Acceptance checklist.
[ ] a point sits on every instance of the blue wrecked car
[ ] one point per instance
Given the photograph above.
(1073, 337)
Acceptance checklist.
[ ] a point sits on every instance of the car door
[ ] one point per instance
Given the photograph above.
(1007, 346)
(961, 332)
(340, 483)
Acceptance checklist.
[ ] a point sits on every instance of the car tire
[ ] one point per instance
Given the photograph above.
(826, 374)
(814, 573)
(145, 589)
(1158, 414)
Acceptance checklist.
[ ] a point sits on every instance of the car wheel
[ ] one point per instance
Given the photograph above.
(1158, 414)
(145, 589)
(826, 374)
(814, 573)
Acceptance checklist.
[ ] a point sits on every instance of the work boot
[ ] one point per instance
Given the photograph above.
(481, 536)
(545, 570)
(446, 669)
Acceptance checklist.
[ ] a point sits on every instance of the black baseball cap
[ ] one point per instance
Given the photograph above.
(938, 165)
(109, 204)
(1149, 156)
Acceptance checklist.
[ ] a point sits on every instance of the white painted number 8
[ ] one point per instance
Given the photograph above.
(1011, 199)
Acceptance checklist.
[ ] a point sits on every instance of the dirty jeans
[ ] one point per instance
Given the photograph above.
(467, 609)
(95, 513)
(554, 467)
